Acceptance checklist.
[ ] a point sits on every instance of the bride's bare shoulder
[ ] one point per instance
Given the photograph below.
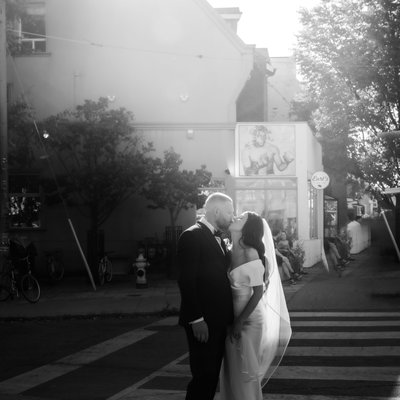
(251, 254)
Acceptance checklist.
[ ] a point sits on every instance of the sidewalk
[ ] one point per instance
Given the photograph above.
(75, 297)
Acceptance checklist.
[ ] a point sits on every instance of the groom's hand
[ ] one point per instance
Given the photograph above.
(200, 331)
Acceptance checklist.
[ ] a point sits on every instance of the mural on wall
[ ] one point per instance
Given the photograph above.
(264, 149)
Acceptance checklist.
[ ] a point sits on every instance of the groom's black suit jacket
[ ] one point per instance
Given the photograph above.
(203, 281)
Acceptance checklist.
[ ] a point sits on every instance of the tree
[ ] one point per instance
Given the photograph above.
(174, 190)
(23, 142)
(15, 10)
(99, 160)
(349, 56)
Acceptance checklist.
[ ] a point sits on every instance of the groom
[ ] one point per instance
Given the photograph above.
(206, 298)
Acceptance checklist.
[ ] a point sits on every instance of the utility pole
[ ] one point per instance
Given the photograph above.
(3, 134)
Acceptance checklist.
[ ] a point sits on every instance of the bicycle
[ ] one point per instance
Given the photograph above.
(55, 267)
(105, 270)
(17, 277)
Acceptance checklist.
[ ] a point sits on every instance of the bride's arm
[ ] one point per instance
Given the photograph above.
(248, 309)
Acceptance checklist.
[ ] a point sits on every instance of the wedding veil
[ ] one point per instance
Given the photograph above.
(278, 330)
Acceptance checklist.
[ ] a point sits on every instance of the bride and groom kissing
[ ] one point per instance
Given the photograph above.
(233, 307)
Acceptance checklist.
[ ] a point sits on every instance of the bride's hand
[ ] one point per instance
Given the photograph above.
(235, 331)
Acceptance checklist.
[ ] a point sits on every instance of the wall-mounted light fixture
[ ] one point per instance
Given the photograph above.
(184, 97)
(190, 134)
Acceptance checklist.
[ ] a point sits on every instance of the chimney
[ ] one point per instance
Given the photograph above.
(231, 15)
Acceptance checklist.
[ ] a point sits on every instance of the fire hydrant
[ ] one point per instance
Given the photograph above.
(140, 266)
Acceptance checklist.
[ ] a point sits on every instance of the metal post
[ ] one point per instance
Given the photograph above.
(3, 133)
(391, 234)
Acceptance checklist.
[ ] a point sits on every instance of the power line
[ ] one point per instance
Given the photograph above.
(118, 47)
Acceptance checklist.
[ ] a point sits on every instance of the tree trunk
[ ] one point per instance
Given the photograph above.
(172, 264)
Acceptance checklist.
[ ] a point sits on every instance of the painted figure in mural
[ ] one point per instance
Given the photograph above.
(261, 329)
(260, 155)
(206, 298)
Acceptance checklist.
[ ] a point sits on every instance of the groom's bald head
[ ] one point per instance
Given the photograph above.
(219, 210)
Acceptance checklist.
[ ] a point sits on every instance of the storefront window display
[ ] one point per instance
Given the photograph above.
(274, 199)
(330, 216)
(25, 202)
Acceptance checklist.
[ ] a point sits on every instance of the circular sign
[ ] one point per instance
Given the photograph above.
(320, 180)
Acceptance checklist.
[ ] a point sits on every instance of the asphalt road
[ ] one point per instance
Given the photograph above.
(345, 343)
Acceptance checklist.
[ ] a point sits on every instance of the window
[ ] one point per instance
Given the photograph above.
(25, 202)
(273, 199)
(32, 30)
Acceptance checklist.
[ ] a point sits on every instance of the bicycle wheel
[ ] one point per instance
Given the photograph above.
(108, 273)
(5, 286)
(101, 272)
(30, 288)
(55, 269)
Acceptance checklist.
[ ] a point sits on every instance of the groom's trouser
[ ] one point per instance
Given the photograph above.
(205, 363)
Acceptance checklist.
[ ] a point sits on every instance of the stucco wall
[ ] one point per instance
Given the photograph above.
(174, 61)
(282, 88)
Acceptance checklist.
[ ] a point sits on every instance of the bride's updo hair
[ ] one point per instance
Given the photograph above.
(252, 234)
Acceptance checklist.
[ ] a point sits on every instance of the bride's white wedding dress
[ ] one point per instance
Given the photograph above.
(250, 361)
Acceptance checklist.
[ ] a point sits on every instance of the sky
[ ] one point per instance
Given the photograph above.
(268, 23)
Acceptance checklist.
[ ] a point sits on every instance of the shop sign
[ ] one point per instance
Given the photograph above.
(320, 180)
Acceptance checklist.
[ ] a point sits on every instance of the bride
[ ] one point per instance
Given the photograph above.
(261, 330)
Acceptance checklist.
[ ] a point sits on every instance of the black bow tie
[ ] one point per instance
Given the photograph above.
(218, 234)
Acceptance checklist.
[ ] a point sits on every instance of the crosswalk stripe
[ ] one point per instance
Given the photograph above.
(301, 350)
(346, 335)
(127, 392)
(386, 374)
(381, 351)
(273, 396)
(37, 376)
(349, 314)
(305, 372)
(346, 323)
(152, 394)
(40, 375)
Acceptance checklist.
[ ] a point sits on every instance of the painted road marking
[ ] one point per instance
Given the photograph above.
(352, 351)
(350, 314)
(357, 324)
(129, 391)
(146, 394)
(345, 335)
(339, 373)
(178, 370)
(40, 375)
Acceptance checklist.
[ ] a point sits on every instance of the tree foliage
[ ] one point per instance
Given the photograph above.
(23, 141)
(349, 56)
(173, 189)
(15, 10)
(99, 159)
